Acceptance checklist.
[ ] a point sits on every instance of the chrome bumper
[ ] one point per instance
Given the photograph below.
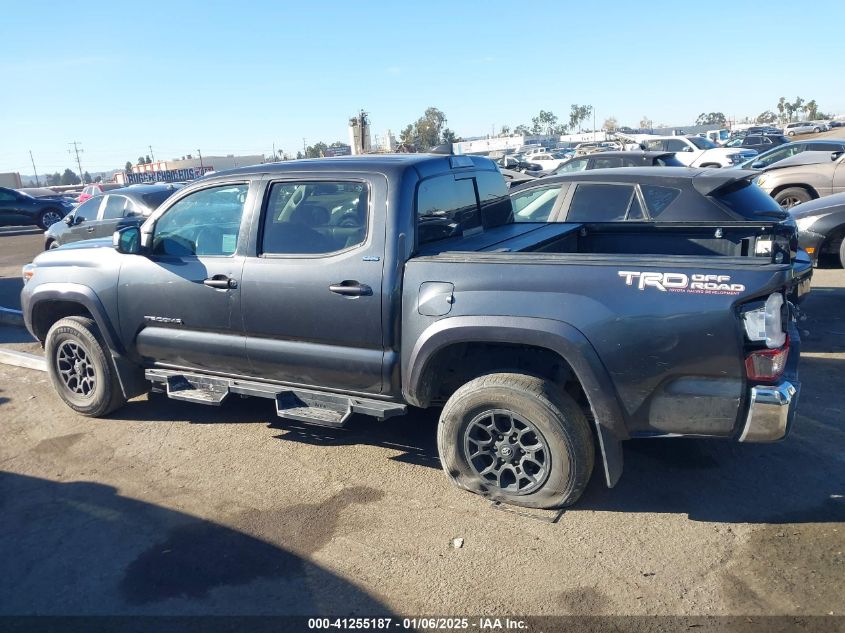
(770, 412)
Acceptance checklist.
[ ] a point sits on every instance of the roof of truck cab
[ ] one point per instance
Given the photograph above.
(427, 164)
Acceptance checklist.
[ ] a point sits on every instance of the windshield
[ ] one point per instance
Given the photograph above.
(702, 143)
(772, 156)
(153, 200)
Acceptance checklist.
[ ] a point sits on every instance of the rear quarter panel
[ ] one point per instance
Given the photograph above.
(674, 356)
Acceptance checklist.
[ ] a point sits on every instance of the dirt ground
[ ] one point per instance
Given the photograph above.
(174, 508)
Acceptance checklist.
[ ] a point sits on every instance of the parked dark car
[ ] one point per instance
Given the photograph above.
(760, 142)
(607, 160)
(18, 207)
(517, 164)
(369, 284)
(102, 215)
(821, 227)
(781, 152)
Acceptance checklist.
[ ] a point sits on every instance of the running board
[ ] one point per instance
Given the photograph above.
(304, 405)
(197, 389)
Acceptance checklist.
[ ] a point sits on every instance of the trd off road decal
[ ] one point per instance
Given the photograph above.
(681, 282)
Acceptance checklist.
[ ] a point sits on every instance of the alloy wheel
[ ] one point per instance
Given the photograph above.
(76, 369)
(507, 451)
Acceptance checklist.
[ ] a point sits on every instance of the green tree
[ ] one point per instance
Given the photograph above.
(521, 130)
(299, 156)
(69, 178)
(128, 167)
(766, 117)
(713, 118)
(86, 178)
(448, 136)
(406, 136)
(316, 150)
(782, 108)
(505, 130)
(610, 124)
(544, 123)
(54, 179)
(141, 160)
(812, 110)
(148, 160)
(798, 105)
(428, 128)
(578, 114)
(646, 123)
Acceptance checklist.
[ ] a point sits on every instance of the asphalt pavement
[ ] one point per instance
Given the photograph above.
(167, 507)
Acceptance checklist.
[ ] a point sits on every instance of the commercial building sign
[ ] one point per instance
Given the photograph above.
(168, 175)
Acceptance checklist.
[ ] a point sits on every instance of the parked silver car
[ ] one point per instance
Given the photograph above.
(803, 127)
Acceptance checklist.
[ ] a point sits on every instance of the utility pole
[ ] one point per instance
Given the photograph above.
(304, 148)
(202, 169)
(274, 152)
(37, 184)
(76, 150)
(152, 156)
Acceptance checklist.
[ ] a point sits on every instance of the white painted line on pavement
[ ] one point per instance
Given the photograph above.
(22, 359)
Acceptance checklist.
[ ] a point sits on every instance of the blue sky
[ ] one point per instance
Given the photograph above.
(231, 77)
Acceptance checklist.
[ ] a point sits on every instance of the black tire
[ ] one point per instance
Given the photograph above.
(52, 244)
(842, 253)
(86, 382)
(816, 130)
(557, 421)
(48, 217)
(791, 196)
(790, 133)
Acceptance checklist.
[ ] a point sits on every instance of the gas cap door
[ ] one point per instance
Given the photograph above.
(435, 298)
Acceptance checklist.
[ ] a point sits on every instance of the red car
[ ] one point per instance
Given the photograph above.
(95, 190)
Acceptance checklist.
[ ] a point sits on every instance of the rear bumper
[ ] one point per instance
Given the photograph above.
(770, 412)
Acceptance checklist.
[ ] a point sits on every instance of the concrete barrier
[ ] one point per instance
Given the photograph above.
(22, 359)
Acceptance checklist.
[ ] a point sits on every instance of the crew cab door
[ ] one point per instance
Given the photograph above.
(180, 302)
(312, 283)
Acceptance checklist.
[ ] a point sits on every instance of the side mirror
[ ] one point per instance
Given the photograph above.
(68, 219)
(127, 240)
(836, 155)
(758, 164)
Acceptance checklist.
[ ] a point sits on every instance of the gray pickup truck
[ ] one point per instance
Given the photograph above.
(370, 284)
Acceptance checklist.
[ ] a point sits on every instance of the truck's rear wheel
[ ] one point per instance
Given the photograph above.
(80, 369)
(517, 439)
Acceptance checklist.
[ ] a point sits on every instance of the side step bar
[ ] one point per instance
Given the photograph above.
(304, 405)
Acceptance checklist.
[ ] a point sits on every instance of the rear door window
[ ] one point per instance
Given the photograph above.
(114, 207)
(446, 207)
(535, 205)
(600, 203)
(452, 205)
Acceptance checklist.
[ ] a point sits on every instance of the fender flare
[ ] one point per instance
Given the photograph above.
(557, 336)
(130, 375)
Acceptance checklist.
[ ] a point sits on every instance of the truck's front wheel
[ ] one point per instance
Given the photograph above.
(80, 369)
(517, 439)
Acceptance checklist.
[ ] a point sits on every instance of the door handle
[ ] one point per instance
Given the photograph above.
(90, 229)
(351, 288)
(221, 282)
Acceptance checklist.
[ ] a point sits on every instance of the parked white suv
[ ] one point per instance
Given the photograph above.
(695, 151)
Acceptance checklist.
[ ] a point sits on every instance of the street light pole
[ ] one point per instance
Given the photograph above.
(37, 184)
(202, 169)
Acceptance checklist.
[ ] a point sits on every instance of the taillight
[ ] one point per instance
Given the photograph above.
(767, 364)
(766, 323)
